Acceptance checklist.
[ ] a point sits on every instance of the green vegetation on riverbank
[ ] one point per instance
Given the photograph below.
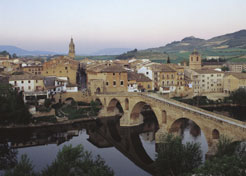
(176, 159)
(74, 111)
(13, 110)
(70, 161)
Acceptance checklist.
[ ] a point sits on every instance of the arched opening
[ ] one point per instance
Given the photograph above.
(215, 134)
(98, 90)
(98, 102)
(190, 131)
(164, 117)
(105, 101)
(141, 113)
(115, 106)
(126, 104)
(69, 100)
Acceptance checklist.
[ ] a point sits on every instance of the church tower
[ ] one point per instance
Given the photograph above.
(195, 61)
(71, 49)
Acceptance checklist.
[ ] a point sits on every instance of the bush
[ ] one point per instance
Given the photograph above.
(175, 158)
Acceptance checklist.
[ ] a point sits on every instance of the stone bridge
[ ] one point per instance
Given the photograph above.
(169, 114)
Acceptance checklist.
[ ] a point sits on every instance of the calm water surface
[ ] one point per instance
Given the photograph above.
(127, 150)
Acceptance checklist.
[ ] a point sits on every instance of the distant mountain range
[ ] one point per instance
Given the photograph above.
(232, 40)
(111, 51)
(22, 52)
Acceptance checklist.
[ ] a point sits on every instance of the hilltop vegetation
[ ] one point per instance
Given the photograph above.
(231, 47)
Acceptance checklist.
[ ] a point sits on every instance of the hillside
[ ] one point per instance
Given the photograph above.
(231, 47)
(22, 52)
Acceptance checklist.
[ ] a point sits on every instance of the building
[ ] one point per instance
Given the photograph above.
(102, 78)
(237, 67)
(27, 82)
(32, 86)
(71, 52)
(234, 81)
(195, 60)
(180, 81)
(34, 69)
(205, 81)
(138, 82)
(62, 66)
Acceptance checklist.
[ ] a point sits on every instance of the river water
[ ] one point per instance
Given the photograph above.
(127, 150)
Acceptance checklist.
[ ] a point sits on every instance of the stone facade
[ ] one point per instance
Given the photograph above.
(71, 52)
(35, 69)
(234, 81)
(205, 81)
(62, 67)
(195, 60)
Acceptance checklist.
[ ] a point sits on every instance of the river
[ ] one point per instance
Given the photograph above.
(127, 150)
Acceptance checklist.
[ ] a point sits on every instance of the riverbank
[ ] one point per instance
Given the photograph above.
(49, 124)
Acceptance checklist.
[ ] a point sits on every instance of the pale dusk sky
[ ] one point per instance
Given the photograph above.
(98, 24)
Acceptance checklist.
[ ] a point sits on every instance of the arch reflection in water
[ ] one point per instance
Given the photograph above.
(190, 132)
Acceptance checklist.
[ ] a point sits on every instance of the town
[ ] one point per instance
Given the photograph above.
(43, 79)
(64, 95)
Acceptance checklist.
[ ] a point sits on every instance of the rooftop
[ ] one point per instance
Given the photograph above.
(139, 77)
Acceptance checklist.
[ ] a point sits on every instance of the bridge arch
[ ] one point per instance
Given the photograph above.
(114, 106)
(179, 126)
(98, 101)
(138, 111)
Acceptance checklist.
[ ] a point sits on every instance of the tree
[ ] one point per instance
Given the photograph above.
(23, 168)
(225, 68)
(7, 156)
(76, 161)
(12, 106)
(230, 159)
(168, 60)
(14, 56)
(238, 96)
(175, 158)
(70, 161)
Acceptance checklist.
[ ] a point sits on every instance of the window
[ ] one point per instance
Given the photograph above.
(15, 83)
(147, 73)
(106, 83)
(29, 87)
(46, 72)
(192, 59)
(29, 81)
(114, 83)
(65, 68)
(22, 81)
(148, 86)
(197, 58)
(113, 73)
(36, 81)
(121, 83)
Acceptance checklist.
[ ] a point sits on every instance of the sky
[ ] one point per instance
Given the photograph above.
(97, 24)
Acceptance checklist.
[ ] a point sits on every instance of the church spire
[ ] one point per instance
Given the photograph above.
(71, 49)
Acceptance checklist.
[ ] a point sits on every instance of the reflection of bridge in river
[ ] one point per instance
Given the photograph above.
(169, 114)
(102, 133)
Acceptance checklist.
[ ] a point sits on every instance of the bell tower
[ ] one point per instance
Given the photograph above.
(71, 49)
(195, 61)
